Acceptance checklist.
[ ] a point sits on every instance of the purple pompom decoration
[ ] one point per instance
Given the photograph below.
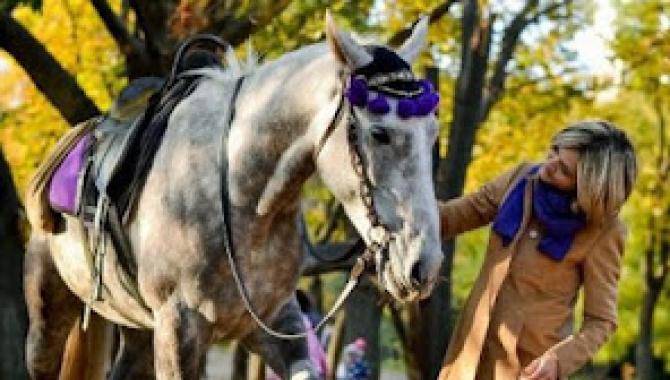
(379, 105)
(357, 93)
(427, 86)
(426, 103)
(406, 108)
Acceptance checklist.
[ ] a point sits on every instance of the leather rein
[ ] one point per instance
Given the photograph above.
(375, 253)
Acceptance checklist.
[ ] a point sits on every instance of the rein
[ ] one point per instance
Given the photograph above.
(378, 234)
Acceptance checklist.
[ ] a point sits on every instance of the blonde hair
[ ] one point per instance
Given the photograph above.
(606, 169)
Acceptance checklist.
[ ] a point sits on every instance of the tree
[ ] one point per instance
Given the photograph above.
(147, 44)
(486, 35)
(13, 314)
(489, 39)
(642, 44)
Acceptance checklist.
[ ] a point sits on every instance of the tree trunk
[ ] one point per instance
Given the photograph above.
(363, 318)
(335, 345)
(643, 353)
(59, 87)
(256, 370)
(411, 339)
(316, 292)
(429, 331)
(434, 328)
(156, 19)
(240, 362)
(13, 314)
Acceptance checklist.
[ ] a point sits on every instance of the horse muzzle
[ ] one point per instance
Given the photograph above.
(411, 270)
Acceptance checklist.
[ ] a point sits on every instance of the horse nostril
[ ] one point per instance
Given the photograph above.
(416, 277)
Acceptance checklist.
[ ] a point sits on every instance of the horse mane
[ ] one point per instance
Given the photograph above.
(233, 67)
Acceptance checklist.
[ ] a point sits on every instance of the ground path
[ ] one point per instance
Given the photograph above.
(219, 361)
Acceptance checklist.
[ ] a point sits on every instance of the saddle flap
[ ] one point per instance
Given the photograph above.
(66, 180)
(40, 213)
(113, 138)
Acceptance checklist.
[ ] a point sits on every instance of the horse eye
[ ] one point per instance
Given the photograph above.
(380, 135)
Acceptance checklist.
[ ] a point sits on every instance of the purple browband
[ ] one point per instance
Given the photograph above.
(422, 105)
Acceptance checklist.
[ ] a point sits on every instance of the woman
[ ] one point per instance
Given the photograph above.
(555, 229)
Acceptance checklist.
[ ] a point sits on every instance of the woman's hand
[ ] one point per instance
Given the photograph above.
(543, 368)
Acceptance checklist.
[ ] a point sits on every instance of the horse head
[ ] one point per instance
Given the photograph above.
(377, 161)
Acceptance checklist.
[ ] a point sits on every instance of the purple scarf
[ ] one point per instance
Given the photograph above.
(551, 207)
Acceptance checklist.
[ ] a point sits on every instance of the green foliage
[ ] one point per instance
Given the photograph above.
(520, 127)
(545, 91)
(74, 34)
(8, 5)
(302, 23)
(642, 44)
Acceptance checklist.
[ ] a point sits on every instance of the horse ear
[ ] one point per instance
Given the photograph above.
(415, 43)
(344, 47)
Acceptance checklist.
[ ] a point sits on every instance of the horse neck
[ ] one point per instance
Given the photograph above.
(278, 126)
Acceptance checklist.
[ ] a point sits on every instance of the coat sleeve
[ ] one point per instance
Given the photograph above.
(600, 270)
(478, 209)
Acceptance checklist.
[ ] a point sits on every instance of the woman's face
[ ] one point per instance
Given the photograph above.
(560, 168)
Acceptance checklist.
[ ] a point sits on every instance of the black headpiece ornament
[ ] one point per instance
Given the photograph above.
(390, 75)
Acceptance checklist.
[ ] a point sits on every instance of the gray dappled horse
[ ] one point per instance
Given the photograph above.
(289, 123)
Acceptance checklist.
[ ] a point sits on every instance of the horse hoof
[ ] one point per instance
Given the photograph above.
(302, 370)
(302, 375)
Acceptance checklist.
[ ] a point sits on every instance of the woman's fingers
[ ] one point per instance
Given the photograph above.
(530, 368)
(543, 368)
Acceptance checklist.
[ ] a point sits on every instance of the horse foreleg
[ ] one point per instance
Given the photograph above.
(289, 358)
(52, 310)
(181, 339)
(135, 360)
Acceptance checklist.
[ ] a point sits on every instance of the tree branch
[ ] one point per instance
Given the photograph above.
(236, 29)
(434, 16)
(59, 86)
(126, 42)
(539, 80)
(546, 10)
(509, 43)
(152, 21)
(138, 61)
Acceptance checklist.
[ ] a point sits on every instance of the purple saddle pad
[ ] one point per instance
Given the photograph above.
(64, 182)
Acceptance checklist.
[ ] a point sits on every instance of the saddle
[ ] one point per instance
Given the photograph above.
(97, 170)
(98, 146)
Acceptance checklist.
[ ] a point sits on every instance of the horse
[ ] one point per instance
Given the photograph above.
(293, 117)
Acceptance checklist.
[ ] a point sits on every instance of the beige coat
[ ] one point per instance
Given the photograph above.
(522, 303)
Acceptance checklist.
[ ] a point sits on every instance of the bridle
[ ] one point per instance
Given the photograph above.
(376, 251)
(378, 235)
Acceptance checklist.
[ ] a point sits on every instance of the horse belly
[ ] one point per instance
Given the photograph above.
(75, 268)
(271, 285)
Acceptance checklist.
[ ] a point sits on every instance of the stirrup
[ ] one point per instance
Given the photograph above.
(98, 243)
